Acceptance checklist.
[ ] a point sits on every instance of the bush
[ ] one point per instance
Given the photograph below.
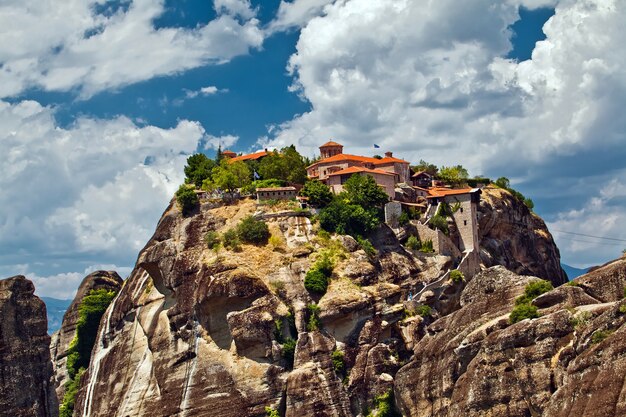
(456, 276)
(427, 247)
(319, 194)
(186, 198)
(423, 310)
(316, 281)
(253, 231)
(66, 408)
(276, 242)
(383, 405)
(622, 309)
(231, 240)
(534, 290)
(439, 222)
(270, 412)
(288, 351)
(345, 218)
(314, 318)
(404, 218)
(212, 239)
(367, 246)
(523, 311)
(600, 335)
(413, 243)
(339, 363)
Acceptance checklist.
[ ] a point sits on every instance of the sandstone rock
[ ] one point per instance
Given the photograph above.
(514, 237)
(61, 340)
(26, 384)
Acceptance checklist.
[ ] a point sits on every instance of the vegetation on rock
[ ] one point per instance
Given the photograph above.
(413, 243)
(319, 194)
(457, 276)
(383, 406)
(198, 169)
(523, 307)
(186, 198)
(503, 182)
(287, 165)
(313, 323)
(253, 231)
(288, 351)
(316, 278)
(212, 239)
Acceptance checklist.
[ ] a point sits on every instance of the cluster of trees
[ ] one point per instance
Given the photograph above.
(356, 211)
(503, 182)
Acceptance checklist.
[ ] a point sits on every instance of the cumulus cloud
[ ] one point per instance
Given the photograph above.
(296, 13)
(69, 45)
(432, 82)
(214, 142)
(95, 187)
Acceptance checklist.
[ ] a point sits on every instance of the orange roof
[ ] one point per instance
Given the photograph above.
(229, 154)
(355, 170)
(345, 157)
(277, 189)
(442, 192)
(331, 143)
(389, 160)
(418, 173)
(251, 156)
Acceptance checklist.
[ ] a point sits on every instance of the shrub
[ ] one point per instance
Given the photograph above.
(316, 281)
(456, 276)
(270, 412)
(383, 405)
(339, 363)
(413, 243)
(230, 238)
(319, 194)
(534, 290)
(212, 239)
(622, 309)
(581, 319)
(573, 283)
(404, 218)
(367, 246)
(427, 247)
(423, 310)
(288, 351)
(276, 242)
(600, 335)
(523, 311)
(66, 408)
(439, 222)
(314, 317)
(253, 231)
(187, 199)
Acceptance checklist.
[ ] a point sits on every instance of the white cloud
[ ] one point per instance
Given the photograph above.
(296, 13)
(61, 46)
(97, 187)
(430, 81)
(241, 8)
(64, 285)
(204, 91)
(225, 141)
(602, 214)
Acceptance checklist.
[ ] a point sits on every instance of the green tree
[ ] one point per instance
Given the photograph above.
(198, 168)
(352, 219)
(453, 175)
(503, 182)
(253, 231)
(425, 166)
(287, 165)
(363, 190)
(186, 198)
(231, 175)
(319, 194)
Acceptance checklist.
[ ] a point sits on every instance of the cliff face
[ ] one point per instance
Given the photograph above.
(61, 339)
(568, 362)
(26, 387)
(196, 331)
(514, 237)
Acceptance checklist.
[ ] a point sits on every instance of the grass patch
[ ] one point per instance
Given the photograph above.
(600, 335)
(313, 323)
(457, 276)
(413, 243)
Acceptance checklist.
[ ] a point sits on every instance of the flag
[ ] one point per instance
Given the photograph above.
(376, 146)
(256, 176)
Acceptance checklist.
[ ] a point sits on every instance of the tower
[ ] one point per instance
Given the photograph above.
(330, 149)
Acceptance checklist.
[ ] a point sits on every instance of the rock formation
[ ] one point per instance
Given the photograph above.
(26, 387)
(516, 238)
(61, 339)
(199, 331)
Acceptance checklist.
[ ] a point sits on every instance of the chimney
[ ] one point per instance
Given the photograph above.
(388, 154)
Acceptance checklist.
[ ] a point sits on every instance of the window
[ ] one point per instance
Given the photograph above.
(461, 209)
(464, 222)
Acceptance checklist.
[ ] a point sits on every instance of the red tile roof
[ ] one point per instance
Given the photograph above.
(418, 173)
(344, 157)
(354, 170)
(331, 143)
(389, 160)
(251, 156)
(442, 192)
(229, 154)
(277, 189)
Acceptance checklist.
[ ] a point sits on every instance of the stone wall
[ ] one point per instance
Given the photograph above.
(441, 243)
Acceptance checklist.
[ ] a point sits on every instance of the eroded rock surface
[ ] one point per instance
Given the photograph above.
(26, 387)
(514, 237)
(60, 343)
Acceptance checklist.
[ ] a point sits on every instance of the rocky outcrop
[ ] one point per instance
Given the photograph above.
(26, 387)
(61, 339)
(568, 362)
(516, 238)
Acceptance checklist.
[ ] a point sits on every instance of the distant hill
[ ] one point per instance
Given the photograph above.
(573, 272)
(56, 309)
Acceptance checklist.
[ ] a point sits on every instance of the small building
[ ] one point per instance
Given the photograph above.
(422, 179)
(384, 179)
(277, 193)
(229, 154)
(257, 156)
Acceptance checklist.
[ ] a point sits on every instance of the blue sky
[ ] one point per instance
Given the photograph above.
(101, 102)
